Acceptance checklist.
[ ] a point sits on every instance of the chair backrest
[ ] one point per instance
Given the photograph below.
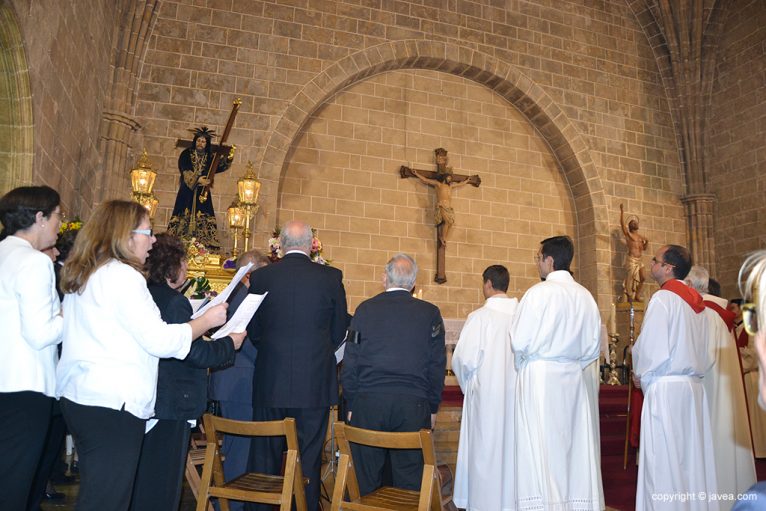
(251, 487)
(387, 440)
(216, 425)
(346, 481)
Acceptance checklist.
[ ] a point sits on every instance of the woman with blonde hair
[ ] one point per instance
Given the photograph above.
(752, 287)
(30, 329)
(112, 342)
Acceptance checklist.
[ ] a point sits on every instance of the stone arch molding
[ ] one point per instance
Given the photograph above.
(530, 99)
(16, 123)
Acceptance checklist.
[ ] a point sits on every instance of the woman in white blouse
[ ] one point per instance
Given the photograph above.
(30, 329)
(113, 340)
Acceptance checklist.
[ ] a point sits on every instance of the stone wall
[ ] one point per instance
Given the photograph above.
(737, 140)
(68, 46)
(343, 176)
(590, 61)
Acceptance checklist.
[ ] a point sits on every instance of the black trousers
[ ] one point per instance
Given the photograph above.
(266, 452)
(159, 479)
(54, 442)
(388, 412)
(109, 444)
(24, 418)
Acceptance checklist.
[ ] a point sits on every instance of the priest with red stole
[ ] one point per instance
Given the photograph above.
(676, 460)
(735, 467)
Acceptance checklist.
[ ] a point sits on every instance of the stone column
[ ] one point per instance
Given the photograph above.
(116, 130)
(699, 223)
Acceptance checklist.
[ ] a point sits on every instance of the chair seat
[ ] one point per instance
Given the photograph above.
(389, 497)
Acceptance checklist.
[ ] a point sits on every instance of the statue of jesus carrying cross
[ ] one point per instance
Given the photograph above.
(443, 181)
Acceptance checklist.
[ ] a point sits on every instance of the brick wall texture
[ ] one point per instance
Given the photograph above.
(338, 94)
(737, 141)
(340, 173)
(68, 47)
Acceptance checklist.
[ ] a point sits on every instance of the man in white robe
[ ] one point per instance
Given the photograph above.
(555, 336)
(483, 365)
(735, 467)
(676, 463)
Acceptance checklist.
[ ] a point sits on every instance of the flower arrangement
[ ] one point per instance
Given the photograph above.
(74, 225)
(275, 250)
(196, 251)
(202, 288)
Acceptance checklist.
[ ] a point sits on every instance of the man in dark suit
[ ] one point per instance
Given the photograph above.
(393, 373)
(232, 387)
(296, 330)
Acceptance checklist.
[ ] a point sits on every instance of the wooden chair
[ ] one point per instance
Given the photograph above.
(251, 487)
(387, 497)
(195, 458)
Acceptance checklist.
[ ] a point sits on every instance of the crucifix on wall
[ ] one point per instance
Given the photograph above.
(443, 181)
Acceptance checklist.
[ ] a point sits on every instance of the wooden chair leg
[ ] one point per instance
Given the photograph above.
(426, 489)
(339, 490)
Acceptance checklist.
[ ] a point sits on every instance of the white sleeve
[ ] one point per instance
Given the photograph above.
(40, 325)
(468, 354)
(526, 326)
(140, 317)
(652, 349)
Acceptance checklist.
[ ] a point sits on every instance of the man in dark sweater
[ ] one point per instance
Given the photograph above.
(393, 373)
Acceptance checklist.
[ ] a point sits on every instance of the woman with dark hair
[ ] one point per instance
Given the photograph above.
(113, 340)
(181, 385)
(30, 329)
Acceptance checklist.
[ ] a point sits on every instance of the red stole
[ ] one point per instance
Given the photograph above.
(687, 294)
(726, 315)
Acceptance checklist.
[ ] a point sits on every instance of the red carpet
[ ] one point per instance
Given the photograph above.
(619, 484)
(452, 396)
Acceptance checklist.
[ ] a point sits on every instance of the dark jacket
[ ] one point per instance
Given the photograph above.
(182, 384)
(296, 330)
(400, 350)
(235, 383)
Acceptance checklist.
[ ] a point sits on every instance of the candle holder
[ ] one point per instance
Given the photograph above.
(142, 180)
(248, 189)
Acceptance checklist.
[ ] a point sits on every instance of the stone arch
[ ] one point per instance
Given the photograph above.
(16, 122)
(565, 142)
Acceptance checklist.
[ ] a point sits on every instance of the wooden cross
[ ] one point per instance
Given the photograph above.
(443, 181)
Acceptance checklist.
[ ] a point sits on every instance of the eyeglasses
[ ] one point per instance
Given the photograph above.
(750, 318)
(147, 232)
(538, 257)
(662, 263)
(62, 216)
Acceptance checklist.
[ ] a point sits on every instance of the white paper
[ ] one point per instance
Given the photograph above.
(242, 316)
(340, 352)
(224, 295)
(196, 303)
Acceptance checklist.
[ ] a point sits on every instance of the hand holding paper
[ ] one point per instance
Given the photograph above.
(243, 315)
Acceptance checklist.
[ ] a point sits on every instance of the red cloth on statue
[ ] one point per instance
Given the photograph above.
(636, 403)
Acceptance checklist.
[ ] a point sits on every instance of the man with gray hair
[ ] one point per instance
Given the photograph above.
(393, 373)
(735, 467)
(297, 329)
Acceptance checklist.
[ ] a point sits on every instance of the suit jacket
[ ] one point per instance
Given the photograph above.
(235, 384)
(296, 330)
(400, 349)
(182, 384)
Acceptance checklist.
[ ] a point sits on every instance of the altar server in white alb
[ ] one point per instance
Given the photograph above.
(483, 364)
(735, 467)
(555, 336)
(670, 359)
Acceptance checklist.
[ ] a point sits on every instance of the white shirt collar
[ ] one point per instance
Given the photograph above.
(396, 289)
(301, 252)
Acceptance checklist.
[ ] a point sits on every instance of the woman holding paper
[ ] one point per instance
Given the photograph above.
(181, 384)
(112, 342)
